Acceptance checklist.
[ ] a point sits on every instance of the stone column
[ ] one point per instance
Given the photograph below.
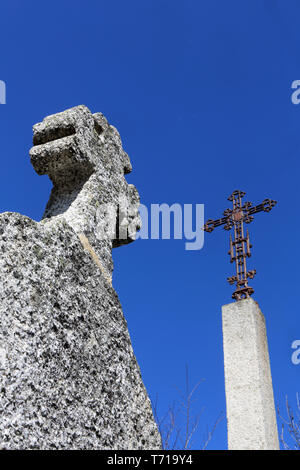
(251, 417)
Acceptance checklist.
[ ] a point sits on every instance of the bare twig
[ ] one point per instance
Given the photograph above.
(292, 424)
(172, 435)
(210, 433)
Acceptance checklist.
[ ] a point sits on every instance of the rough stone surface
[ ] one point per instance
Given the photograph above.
(251, 417)
(68, 375)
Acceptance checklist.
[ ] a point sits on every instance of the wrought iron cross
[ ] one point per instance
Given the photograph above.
(240, 246)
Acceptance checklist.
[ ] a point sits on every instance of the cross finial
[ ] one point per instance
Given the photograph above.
(240, 245)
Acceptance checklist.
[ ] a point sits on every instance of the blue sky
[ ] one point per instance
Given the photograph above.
(200, 92)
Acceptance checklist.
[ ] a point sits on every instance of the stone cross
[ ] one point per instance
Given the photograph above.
(84, 158)
(69, 378)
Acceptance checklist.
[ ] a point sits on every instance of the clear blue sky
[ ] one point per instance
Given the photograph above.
(200, 93)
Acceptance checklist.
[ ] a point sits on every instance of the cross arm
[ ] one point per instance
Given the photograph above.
(264, 206)
(211, 224)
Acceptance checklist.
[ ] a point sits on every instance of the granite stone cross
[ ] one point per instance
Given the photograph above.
(84, 158)
(69, 378)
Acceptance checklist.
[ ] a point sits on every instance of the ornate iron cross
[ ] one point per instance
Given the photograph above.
(240, 246)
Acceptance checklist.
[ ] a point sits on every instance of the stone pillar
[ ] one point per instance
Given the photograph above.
(251, 417)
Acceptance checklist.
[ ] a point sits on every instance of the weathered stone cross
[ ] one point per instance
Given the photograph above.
(84, 158)
(240, 246)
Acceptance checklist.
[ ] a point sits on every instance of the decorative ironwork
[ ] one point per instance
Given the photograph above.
(239, 247)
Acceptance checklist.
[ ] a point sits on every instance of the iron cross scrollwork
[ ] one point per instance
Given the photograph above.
(240, 246)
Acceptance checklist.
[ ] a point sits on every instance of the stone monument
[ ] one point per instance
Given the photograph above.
(251, 417)
(68, 375)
